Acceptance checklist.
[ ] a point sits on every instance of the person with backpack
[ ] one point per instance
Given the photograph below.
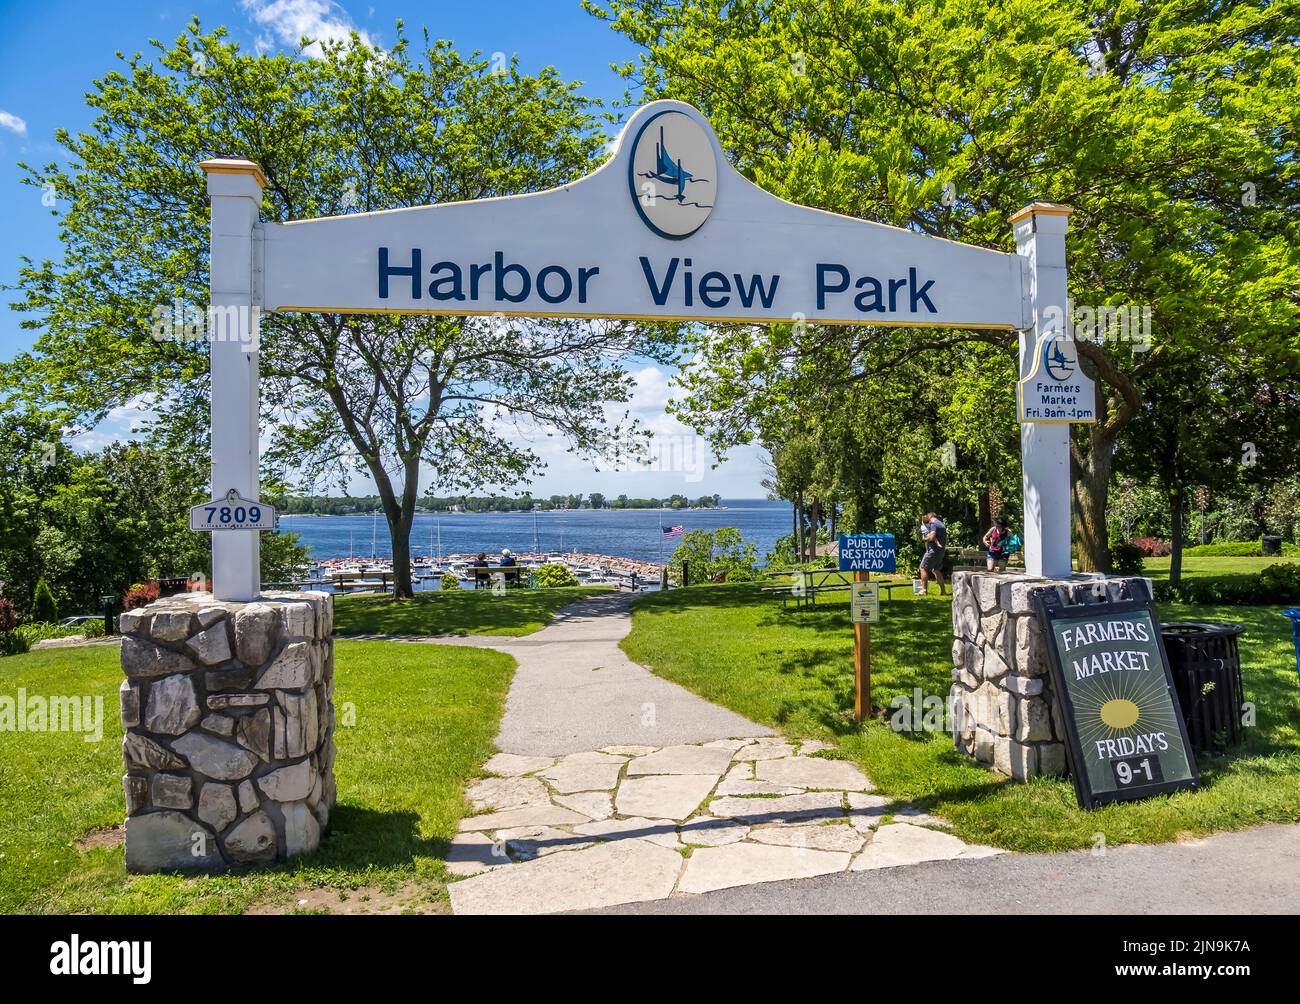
(998, 542)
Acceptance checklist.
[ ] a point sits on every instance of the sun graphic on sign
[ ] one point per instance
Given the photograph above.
(1120, 713)
(1112, 704)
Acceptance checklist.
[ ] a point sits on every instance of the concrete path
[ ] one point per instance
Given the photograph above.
(629, 824)
(614, 786)
(575, 691)
(1255, 871)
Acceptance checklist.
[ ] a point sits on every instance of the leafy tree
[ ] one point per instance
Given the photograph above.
(1169, 126)
(92, 524)
(720, 555)
(1198, 413)
(34, 460)
(359, 129)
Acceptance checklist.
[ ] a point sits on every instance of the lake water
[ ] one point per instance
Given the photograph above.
(628, 533)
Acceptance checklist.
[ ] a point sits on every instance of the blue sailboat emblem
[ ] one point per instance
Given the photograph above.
(1059, 366)
(673, 199)
(669, 170)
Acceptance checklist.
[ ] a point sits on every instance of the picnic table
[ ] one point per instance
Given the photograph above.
(818, 581)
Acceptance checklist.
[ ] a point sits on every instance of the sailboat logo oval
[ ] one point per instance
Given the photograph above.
(673, 174)
(1059, 357)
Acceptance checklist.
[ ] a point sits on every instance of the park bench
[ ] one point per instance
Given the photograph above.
(483, 576)
(351, 581)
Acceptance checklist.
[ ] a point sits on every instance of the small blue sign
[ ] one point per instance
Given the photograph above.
(868, 552)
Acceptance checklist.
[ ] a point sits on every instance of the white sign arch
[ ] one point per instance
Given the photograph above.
(664, 229)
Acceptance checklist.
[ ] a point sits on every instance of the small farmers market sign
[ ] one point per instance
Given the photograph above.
(1126, 733)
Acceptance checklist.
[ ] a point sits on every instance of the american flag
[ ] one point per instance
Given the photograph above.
(676, 530)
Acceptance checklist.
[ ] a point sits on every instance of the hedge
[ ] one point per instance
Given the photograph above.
(1276, 584)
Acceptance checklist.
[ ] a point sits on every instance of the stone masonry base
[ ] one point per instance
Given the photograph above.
(1005, 711)
(229, 723)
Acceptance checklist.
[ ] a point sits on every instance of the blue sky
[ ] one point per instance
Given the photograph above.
(50, 51)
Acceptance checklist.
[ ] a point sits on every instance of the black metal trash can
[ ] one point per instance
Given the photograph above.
(1271, 546)
(1207, 675)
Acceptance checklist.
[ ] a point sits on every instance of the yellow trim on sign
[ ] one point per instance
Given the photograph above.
(1039, 209)
(229, 165)
(648, 318)
(1020, 390)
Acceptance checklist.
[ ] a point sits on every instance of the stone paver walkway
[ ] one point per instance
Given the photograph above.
(615, 786)
(631, 823)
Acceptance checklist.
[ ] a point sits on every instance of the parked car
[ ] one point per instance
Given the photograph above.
(78, 619)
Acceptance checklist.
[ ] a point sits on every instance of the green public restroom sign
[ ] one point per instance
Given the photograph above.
(1126, 735)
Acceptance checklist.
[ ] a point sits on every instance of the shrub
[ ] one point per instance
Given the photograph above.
(44, 609)
(1126, 559)
(140, 595)
(555, 575)
(448, 581)
(1276, 584)
(8, 628)
(32, 633)
(1281, 582)
(93, 629)
(1237, 549)
(1152, 547)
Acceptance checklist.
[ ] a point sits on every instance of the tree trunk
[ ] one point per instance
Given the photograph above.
(1090, 465)
(1175, 536)
(798, 527)
(1091, 482)
(985, 512)
(403, 587)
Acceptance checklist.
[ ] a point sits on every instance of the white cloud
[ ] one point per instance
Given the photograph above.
(289, 21)
(10, 121)
(121, 424)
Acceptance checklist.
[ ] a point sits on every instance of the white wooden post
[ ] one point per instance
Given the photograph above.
(235, 190)
(1040, 230)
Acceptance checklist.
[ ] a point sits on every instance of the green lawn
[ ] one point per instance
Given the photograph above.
(793, 670)
(425, 716)
(458, 611)
(1212, 567)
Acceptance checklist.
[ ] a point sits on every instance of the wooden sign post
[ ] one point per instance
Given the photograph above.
(862, 554)
(861, 662)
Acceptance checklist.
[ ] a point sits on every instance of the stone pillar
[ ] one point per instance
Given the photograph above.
(1004, 709)
(229, 718)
